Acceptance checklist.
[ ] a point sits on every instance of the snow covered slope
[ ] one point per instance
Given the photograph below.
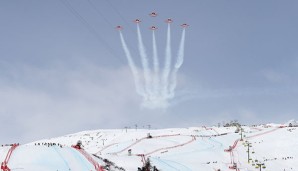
(185, 149)
(31, 158)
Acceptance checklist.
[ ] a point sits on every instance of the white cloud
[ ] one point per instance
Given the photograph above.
(274, 76)
(51, 102)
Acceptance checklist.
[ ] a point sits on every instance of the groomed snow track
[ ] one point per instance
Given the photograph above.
(143, 156)
(90, 159)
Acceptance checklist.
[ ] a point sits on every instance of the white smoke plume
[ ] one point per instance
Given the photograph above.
(179, 62)
(156, 79)
(145, 64)
(133, 67)
(157, 88)
(168, 61)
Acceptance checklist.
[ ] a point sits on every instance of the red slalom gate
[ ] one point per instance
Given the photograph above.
(4, 166)
(89, 158)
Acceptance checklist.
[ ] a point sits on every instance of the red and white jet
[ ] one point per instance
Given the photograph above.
(137, 21)
(153, 28)
(184, 25)
(119, 28)
(153, 14)
(169, 20)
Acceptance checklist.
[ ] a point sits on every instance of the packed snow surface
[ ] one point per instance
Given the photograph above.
(273, 147)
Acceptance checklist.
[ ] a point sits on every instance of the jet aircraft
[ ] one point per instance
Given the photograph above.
(169, 20)
(153, 14)
(137, 21)
(184, 25)
(153, 28)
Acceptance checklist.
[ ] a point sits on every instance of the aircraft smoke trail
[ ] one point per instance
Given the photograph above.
(144, 61)
(167, 67)
(155, 64)
(133, 67)
(180, 58)
(179, 62)
(159, 84)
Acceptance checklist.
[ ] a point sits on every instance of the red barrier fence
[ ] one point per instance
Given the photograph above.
(139, 140)
(4, 166)
(166, 148)
(263, 133)
(89, 158)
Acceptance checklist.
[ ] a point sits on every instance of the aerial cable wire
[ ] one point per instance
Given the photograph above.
(108, 21)
(99, 12)
(90, 28)
(121, 16)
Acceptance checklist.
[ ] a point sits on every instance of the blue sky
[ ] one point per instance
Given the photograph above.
(63, 71)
